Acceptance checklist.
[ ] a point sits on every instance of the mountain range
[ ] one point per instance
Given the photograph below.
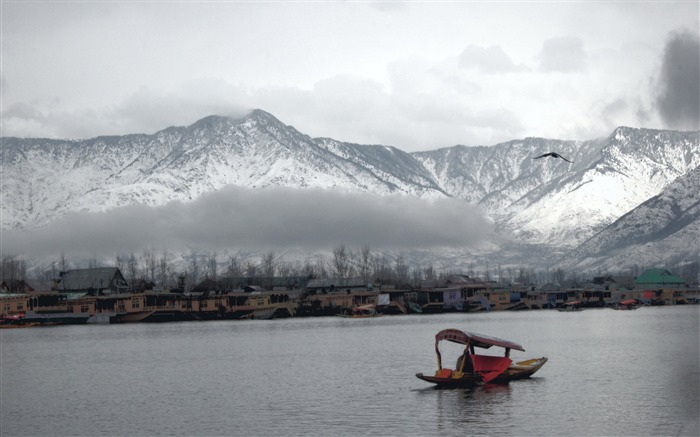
(624, 195)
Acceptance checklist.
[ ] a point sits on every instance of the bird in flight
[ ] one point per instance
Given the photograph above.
(553, 155)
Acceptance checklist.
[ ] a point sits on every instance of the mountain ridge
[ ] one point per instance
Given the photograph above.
(548, 201)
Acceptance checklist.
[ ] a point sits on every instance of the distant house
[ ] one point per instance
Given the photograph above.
(327, 285)
(549, 287)
(15, 286)
(97, 281)
(614, 282)
(454, 281)
(207, 285)
(658, 279)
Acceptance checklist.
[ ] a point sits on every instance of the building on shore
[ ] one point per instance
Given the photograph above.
(101, 296)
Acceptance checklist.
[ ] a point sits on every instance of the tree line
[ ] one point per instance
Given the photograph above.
(167, 270)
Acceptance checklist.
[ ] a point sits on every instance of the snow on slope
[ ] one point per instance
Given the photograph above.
(553, 202)
(664, 229)
(547, 201)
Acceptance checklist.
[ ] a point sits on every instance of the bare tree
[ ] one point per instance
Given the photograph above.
(164, 271)
(63, 263)
(211, 267)
(510, 273)
(416, 276)
(132, 269)
(251, 269)
(268, 267)
(429, 273)
(148, 265)
(51, 272)
(381, 270)
(120, 263)
(194, 270)
(559, 275)
(314, 269)
(12, 270)
(284, 269)
(340, 262)
(401, 269)
(296, 268)
(365, 267)
(268, 264)
(233, 268)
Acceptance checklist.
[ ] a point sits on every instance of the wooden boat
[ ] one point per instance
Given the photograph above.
(362, 312)
(15, 321)
(571, 306)
(23, 325)
(629, 304)
(520, 370)
(474, 369)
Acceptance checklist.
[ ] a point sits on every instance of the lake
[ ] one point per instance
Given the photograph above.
(609, 373)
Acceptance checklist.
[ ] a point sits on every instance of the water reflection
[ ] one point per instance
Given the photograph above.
(474, 410)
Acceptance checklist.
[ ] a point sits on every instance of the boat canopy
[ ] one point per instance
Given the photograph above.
(478, 340)
(573, 302)
(628, 302)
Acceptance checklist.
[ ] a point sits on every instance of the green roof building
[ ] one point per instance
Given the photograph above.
(658, 278)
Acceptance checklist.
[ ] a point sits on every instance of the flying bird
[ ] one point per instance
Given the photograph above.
(553, 155)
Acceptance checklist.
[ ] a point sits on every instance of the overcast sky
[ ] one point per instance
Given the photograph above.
(418, 76)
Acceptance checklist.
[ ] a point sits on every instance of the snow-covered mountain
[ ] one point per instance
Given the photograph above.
(44, 179)
(546, 202)
(664, 229)
(553, 202)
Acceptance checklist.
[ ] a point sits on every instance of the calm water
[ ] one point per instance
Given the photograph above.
(609, 373)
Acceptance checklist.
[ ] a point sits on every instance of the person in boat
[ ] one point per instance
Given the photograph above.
(468, 365)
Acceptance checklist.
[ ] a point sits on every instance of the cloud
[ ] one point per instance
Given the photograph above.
(488, 60)
(563, 54)
(280, 218)
(22, 117)
(678, 98)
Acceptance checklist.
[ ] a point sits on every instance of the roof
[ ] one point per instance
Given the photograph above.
(658, 276)
(88, 279)
(478, 340)
(336, 282)
(550, 286)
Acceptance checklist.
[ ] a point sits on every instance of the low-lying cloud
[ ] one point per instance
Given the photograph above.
(263, 219)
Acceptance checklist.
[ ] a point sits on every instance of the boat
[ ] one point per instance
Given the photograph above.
(474, 369)
(15, 321)
(520, 370)
(629, 304)
(571, 306)
(362, 312)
